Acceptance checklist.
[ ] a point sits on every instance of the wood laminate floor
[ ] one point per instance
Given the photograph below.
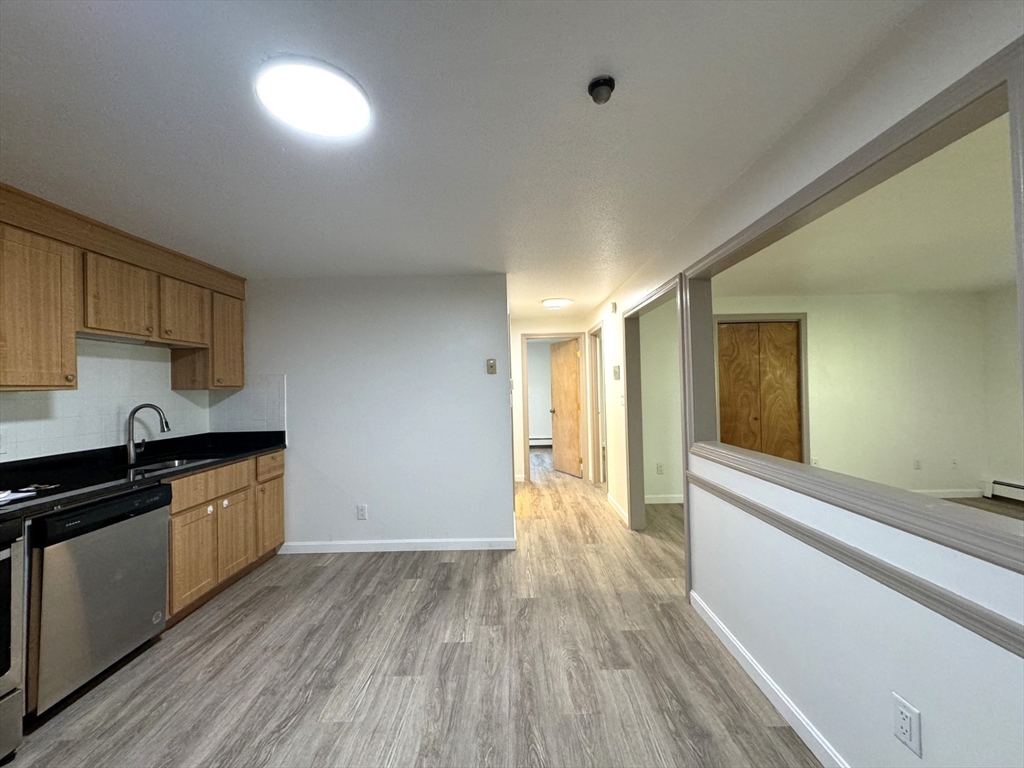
(576, 649)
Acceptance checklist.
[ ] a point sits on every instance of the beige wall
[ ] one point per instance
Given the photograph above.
(662, 405)
(894, 379)
(1004, 391)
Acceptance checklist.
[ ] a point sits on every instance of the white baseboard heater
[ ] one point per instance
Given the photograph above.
(1007, 489)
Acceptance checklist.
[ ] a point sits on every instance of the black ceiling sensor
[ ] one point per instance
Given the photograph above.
(601, 88)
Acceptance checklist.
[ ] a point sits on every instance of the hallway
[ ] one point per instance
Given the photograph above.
(576, 649)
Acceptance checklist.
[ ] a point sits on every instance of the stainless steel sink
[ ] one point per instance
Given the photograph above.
(163, 466)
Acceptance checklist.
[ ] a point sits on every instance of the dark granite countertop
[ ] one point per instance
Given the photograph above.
(88, 475)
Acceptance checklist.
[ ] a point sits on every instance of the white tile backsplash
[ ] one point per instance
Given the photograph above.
(112, 379)
(260, 406)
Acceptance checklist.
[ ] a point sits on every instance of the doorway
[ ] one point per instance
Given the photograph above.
(762, 384)
(553, 394)
(664, 421)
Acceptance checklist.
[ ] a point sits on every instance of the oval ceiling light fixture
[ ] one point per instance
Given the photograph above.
(556, 303)
(312, 96)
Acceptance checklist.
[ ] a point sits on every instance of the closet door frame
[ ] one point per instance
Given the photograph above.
(800, 318)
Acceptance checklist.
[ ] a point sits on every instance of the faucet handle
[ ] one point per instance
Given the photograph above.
(142, 446)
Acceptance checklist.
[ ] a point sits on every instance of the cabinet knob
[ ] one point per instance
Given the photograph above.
(263, 490)
(149, 329)
(69, 377)
(209, 510)
(220, 381)
(167, 331)
(224, 503)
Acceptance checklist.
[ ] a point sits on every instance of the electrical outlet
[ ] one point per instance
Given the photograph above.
(814, 461)
(906, 723)
(917, 463)
(360, 511)
(660, 468)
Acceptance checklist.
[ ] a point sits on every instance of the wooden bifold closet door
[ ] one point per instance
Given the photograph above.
(759, 387)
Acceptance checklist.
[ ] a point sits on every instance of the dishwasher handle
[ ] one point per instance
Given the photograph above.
(78, 521)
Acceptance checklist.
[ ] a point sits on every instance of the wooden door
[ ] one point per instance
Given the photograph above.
(236, 534)
(739, 385)
(270, 515)
(226, 347)
(119, 297)
(781, 433)
(38, 303)
(565, 407)
(193, 555)
(184, 312)
(759, 394)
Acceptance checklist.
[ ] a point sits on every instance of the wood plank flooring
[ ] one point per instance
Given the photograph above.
(576, 649)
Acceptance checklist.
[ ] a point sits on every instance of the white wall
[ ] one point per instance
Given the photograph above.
(112, 379)
(659, 387)
(538, 354)
(1004, 391)
(936, 669)
(893, 379)
(838, 643)
(390, 405)
(260, 405)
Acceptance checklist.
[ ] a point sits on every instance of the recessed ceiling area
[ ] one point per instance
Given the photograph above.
(943, 224)
(486, 155)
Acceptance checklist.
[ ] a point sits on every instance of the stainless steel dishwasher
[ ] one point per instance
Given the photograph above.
(98, 589)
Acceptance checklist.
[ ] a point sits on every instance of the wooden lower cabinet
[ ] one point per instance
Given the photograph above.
(236, 534)
(213, 541)
(270, 514)
(193, 556)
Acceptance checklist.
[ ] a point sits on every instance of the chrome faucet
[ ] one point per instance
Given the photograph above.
(164, 427)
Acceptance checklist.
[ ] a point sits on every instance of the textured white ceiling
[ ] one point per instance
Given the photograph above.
(944, 224)
(486, 154)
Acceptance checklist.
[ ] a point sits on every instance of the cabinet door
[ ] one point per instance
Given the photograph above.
(184, 312)
(270, 505)
(193, 555)
(236, 534)
(227, 347)
(38, 301)
(119, 297)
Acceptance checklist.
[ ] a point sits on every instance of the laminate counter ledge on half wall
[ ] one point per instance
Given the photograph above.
(86, 475)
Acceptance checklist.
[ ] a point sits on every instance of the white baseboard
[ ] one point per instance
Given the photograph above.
(540, 442)
(618, 508)
(953, 493)
(391, 545)
(520, 478)
(664, 498)
(803, 727)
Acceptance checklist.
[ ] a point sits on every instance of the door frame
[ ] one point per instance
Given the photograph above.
(597, 410)
(584, 431)
(800, 318)
(636, 513)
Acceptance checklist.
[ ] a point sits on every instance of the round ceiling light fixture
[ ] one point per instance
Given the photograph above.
(556, 303)
(312, 96)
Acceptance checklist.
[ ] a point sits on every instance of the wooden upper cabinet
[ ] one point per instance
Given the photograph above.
(184, 312)
(120, 298)
(227, 348)
(38, 312)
